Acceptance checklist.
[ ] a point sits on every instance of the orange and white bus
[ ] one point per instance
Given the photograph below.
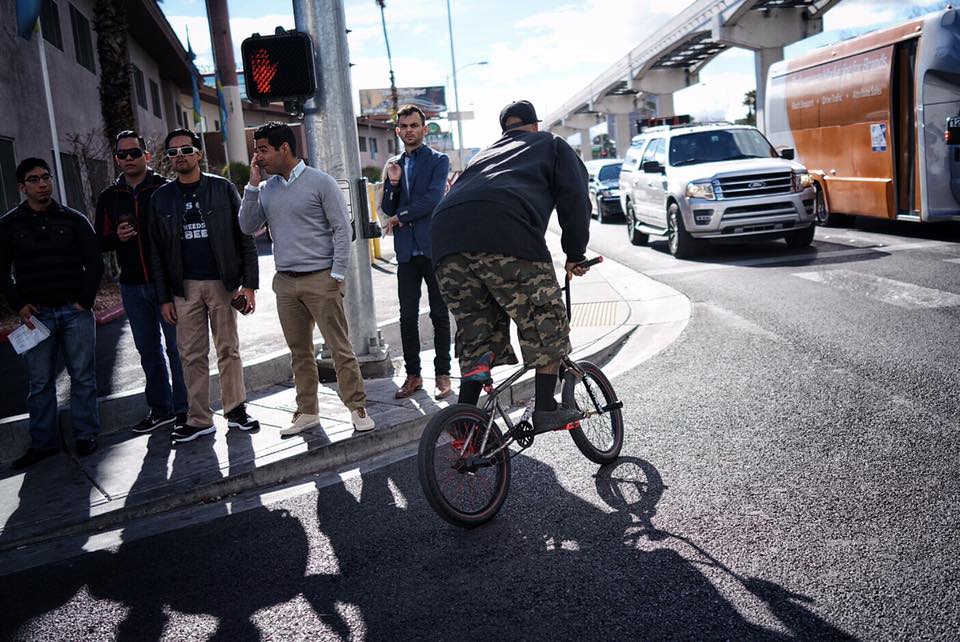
(876, 120)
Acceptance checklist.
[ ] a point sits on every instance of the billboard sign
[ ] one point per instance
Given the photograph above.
(378, 103)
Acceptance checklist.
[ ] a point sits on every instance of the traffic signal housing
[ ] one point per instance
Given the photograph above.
(279, 67)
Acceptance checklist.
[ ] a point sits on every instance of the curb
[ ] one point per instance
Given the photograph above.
(316, 460)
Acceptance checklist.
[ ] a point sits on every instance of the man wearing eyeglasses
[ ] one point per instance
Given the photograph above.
(121, 223)
(204, 269)
(53, 253)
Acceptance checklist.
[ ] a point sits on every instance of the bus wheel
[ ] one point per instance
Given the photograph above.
(823, 215)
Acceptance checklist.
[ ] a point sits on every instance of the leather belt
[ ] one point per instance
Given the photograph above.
(296, 275)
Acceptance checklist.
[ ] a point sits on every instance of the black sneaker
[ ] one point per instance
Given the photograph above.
(189, 433)
(562, 417)
(152, 422)
(32, 456)
(238, 418)
(86, 447)
(180, 421)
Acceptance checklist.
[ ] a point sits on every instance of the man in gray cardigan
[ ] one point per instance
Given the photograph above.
(310, 228)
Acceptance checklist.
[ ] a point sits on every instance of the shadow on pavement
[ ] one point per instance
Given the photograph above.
(375, 563)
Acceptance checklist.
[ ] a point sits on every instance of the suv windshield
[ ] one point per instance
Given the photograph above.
(719, 145)
(609, 172)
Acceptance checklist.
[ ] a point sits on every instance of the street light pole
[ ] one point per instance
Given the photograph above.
(456, 95)
(331, 137)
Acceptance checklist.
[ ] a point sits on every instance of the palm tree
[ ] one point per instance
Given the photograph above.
(113, 54)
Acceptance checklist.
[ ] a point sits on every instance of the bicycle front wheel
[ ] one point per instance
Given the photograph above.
(464, 486)
(600, 435)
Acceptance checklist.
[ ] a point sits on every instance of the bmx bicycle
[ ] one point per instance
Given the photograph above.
(464, 459)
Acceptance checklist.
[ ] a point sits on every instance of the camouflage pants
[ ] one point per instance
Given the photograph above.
(485, 291)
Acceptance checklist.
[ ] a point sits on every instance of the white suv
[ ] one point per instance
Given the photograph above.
(697, 182)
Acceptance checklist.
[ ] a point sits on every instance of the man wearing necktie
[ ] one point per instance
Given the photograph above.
(414, 182)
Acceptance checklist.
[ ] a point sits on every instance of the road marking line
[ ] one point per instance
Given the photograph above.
(878, 288)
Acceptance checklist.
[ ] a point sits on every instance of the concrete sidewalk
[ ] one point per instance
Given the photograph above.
(136, 475)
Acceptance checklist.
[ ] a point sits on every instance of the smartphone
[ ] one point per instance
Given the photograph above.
(241, 304)
(130, 220)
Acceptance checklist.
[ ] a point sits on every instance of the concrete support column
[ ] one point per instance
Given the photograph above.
(622, 123)
(665, 106)
(764, 59)
(586, 145)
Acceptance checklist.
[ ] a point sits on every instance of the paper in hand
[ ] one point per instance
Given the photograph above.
(23, 338)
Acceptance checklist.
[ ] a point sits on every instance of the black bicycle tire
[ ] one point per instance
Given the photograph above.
(427, 473)
(586, 447)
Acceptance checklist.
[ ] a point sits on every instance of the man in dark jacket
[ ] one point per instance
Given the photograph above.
(122, 224)
(54, 256)
(492, 259)
(414, 182)
(204, 269)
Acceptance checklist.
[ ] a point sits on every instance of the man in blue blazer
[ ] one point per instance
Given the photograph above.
(414, 182)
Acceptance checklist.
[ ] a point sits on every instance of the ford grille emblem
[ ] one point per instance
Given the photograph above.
(757, 184)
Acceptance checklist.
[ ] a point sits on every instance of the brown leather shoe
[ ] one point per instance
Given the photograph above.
(443, 387)
(410, 386)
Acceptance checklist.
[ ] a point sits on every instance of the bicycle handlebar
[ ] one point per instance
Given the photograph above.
(587, 263)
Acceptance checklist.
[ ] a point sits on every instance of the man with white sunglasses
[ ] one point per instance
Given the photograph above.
(205, 270)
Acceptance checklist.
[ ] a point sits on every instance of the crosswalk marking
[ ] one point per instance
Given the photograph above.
(878, 288)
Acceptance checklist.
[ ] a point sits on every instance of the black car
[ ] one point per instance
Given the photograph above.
(605, 188)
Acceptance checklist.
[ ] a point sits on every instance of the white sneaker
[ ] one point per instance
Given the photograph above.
(301, 423)
(361, 420)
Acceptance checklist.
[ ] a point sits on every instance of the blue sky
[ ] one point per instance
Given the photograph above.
(541, 50)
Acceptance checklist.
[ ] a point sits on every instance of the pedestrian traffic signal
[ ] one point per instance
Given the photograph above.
(279, 67)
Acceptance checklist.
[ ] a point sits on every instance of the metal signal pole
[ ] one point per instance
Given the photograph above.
(332, 145)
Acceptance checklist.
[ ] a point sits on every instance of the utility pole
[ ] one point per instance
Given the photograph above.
(393, 83)
(332, 144)
(226, 73)
(456, 94)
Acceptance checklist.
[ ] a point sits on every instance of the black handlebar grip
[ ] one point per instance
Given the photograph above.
(590, 262)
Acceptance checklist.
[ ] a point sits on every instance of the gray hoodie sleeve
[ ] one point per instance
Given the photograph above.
(335, 209)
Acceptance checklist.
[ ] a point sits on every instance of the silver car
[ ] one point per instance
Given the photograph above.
(699, 182)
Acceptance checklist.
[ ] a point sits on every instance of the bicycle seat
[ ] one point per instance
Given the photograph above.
(479, 370)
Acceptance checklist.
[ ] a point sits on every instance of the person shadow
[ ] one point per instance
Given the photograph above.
(374, 562)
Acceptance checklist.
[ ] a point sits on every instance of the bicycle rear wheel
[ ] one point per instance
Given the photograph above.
(600, 435)
(462, 485)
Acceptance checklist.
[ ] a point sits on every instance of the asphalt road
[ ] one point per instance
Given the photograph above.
(789, 472)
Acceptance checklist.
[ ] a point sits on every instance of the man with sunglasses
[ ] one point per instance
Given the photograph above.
(122, 225)
(53, 252)
(204, 269)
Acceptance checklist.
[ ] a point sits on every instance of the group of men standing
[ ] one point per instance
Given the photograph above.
(188, 265)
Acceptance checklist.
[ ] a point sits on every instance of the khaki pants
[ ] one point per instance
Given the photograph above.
(303, 301)
(208, 302)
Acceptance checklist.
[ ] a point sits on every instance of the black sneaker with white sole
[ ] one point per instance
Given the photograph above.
(185, 433)
(151, 422)
(238, 418)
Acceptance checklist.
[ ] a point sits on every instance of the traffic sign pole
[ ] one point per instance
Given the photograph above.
(332, 145)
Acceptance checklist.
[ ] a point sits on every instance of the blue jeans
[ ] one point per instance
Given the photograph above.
(75, 333)
(147, 324)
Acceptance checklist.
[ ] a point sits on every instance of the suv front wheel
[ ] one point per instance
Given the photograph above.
(800, 238)
(679, 241)
(636, 237)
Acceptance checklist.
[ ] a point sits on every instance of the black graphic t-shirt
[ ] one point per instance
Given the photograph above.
(198, 261)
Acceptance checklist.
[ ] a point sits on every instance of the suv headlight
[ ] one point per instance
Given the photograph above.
(700, 190)
(609, 193)
(801, 181)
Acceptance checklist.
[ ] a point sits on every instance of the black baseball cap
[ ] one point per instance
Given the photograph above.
(522, 109)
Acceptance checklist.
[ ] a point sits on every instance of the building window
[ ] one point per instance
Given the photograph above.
(50, 24)
(155, 98)
(9, 195)
(363, 143)
(140, 87)
(216, 125)
(373, 147)
(179, 115)
(82, 40)
(390, 145)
